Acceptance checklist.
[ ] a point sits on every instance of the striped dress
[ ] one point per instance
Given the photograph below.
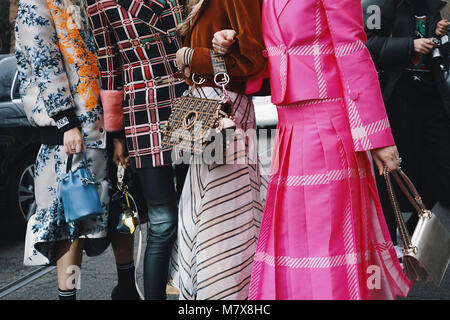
(220, 214)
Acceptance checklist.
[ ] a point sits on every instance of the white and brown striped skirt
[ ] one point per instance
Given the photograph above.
(219, 219)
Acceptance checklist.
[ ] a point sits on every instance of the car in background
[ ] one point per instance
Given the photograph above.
(265, 113)
(19, 144)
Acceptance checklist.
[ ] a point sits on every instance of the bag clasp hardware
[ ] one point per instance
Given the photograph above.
(411, 250)
(426, 214)
(86, 182)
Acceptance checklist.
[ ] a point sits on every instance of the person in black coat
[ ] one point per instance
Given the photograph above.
(402, 49)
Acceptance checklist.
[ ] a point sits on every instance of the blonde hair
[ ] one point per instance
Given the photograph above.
(76, 9)
(193, 8)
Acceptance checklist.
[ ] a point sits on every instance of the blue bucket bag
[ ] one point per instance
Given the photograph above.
(78, 196)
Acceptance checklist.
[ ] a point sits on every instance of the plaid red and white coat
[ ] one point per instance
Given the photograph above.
(137, 44)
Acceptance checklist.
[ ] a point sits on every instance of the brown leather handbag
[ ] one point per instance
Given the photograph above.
(194, 121)
(427, 252)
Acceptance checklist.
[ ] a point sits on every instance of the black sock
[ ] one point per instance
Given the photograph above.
(67, 294)
(125, 275)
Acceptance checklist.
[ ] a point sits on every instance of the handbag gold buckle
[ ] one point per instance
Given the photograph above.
(222, 82)
(412, 250)
(426, 214)
(190, 119)
(197, 83)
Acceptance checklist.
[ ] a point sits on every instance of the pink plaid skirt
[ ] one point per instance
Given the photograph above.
(323, 234)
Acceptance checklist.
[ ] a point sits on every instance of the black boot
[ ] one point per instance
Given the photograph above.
(119, 293)
(126, 288)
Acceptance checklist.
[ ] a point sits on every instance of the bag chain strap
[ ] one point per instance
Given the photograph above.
(413, 195)
(123, 187)
(416, 202)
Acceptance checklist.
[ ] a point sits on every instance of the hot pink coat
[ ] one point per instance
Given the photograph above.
(316, 50)
(323, 225)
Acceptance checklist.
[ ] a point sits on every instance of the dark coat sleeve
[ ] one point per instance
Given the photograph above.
(436, 7)
(386, 51)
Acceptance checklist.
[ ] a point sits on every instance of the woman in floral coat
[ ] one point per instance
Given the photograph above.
(59, 82)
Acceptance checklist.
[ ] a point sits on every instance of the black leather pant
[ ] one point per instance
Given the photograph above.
(161, 197)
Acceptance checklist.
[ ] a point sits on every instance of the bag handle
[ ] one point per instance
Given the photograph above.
(124, 189)
(404, 233)
(221, 79)
(414, 198)
(220, 70)
(70, 161)
(410, 191)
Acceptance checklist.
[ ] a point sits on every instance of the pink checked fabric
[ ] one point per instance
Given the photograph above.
(316, 50)
(323, 233)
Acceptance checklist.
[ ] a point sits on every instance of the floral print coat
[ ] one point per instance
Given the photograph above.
(58, 69)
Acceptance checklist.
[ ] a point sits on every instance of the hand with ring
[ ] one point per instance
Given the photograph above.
(386, 157)
(73, 142)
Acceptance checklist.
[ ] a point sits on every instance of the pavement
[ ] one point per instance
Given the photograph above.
(98, 276)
